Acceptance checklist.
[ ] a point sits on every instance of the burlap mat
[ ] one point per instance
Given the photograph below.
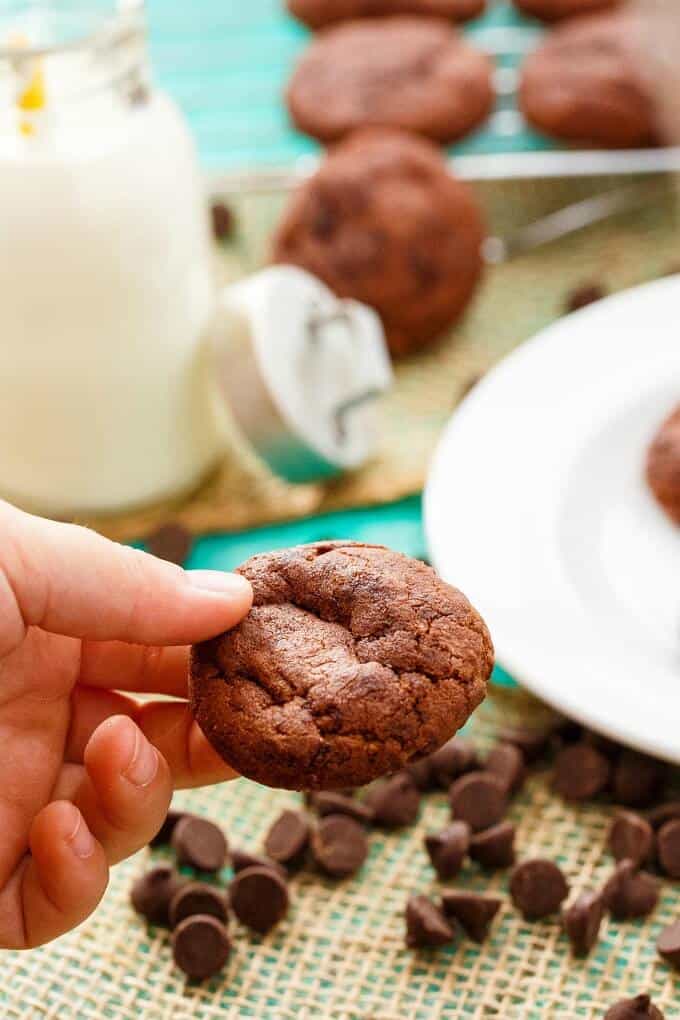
(340, 953)
(515, 301)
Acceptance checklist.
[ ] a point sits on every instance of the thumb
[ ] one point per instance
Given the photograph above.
(71, 581)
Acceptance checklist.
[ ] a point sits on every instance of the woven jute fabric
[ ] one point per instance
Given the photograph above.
(340, 954)
(514, 301)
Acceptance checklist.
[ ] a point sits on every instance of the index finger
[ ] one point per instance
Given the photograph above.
(71, 581)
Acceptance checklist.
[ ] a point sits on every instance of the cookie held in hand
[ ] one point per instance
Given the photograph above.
(353, 660)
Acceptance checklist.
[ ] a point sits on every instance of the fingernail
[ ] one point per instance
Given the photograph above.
(81, 839)
(143, 764)
(220, 582)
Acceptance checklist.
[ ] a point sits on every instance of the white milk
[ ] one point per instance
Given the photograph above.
(106, 296)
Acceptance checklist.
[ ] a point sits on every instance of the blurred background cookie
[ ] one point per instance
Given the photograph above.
(418, 74)
(554, 10)
(384, 222)
(663, 466)
(318, 13)
(587, 83)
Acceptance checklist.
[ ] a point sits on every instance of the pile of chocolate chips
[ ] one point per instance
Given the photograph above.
(585, 767)
(644, 837)
(197, 912)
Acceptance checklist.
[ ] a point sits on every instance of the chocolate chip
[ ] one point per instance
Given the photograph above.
(565, 730)
(479, 799)
(200, 946)
(287, 838)
(339, 845)
(532, 743)
(426, 924)
(456, 757)
(241, 859)
(630, 893)
(639, 1008)
(164, 834)
(447, 849)
(494, 847)
(151, 893)
(537, 888)
(395, 802)
(199, 843)
(631, 836)
(605, 745)
(259, 898)
(584, 295)
(668, 843)
(637, 779)
(507, 763)
(332, 803)
(197, 898)
(582, 922)
(323, 216)
(421, 774)
(424, 268)
(662, 813)
(223, 220)
(581, 772)
(474, 911)
(668, 944)
(170, 542)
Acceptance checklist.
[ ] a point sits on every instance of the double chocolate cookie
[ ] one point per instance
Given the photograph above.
(555, 10)
(319, 13)
(417, 74)
(663, 466)
(384, 222)
(587, 83)
(353, 660)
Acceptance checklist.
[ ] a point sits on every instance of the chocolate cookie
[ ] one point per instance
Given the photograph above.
(353, 660)
(554, 10)
(663, 466)
(418, 74)
(319, 13)
(385, 223)
(587, 83)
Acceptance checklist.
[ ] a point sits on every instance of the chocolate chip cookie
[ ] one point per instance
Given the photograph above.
(385, 223)
(587, 83)
(418, 74)
(663, 466)
(554, 10)
(353, 660)
(319, 13)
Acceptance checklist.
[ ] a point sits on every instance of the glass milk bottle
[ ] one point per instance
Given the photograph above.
(106, 290)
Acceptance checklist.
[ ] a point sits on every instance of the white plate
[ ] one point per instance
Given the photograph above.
(537, 508)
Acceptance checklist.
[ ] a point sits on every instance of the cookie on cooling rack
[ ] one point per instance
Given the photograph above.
(319, 13)
(586, 83)
(385, 223)
(418, 74)
(555, 10)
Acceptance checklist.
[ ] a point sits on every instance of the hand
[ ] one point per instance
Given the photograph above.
(87, 772)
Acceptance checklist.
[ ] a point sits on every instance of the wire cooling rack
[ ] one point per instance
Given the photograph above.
(227, 62)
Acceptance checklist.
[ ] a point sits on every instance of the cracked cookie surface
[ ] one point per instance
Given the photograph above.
(353, 660)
